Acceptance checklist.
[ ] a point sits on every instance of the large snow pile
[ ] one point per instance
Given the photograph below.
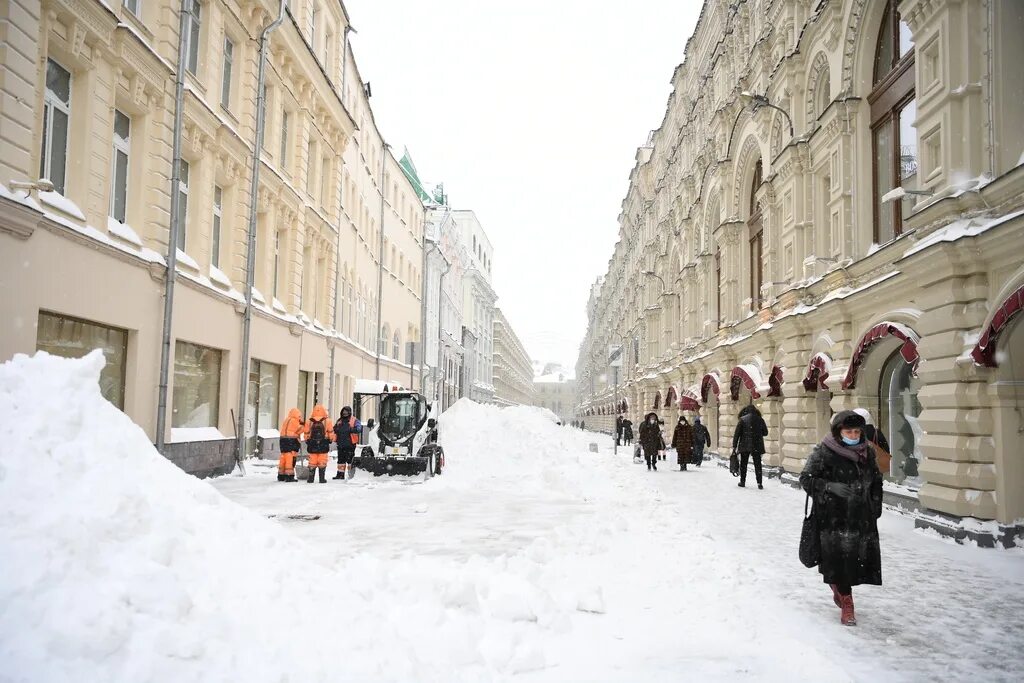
(117, 566)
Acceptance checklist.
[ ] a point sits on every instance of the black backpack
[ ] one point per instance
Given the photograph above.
(317, 441)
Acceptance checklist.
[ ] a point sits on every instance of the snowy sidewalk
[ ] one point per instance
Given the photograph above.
(673, 575)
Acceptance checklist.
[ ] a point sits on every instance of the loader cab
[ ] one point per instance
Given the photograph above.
(401, 417)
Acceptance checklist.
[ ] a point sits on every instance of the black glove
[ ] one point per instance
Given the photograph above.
(839, 489)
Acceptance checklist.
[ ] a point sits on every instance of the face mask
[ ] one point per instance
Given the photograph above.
(850, 442)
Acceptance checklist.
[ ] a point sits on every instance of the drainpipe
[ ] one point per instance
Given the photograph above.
(423, 305)
(440, 327)
(175, 229)
(384, 147)
(250, 254)
(991, 93)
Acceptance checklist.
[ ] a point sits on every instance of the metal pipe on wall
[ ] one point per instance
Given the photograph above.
(250, 252)
(384, 147)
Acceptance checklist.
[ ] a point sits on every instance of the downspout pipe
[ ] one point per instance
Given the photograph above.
(380, 261)
(423, 304)
(250, 251)
(175, 229)
(440, 328)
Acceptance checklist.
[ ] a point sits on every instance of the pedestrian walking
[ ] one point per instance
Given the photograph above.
(319, 433)
(878, 442)
(583, 424)
(627, 431)
(748, 440)
(682, 441)
(651, 441)
(841, 477)
(618, 430)
(346, 434)
(661, 434)
(291, 430)
(701, 437)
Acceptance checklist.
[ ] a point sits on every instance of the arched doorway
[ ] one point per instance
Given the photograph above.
(883, 377)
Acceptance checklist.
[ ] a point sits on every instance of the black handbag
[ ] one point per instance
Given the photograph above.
(810, 540)
(734, 465)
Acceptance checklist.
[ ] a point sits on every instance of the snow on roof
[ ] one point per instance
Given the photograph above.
(375, 386)
(960, 229)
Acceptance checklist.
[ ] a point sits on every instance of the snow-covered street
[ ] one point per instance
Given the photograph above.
(676, 574)
(530, 558)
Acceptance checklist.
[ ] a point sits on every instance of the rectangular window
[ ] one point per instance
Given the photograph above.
(314, 16)
(196, 397)
(718, 287)
(284, 140)
(325, 182)
(218, 203)
(277, 263)
(225, 87)
(310, 167)
(192, 25)
(885, 229)
(304, 392)
(74, 338)
(266, 395)
(756, 272)
(133, 6)
(908, 158)
(119, 174)
(183, 204)
(56, 115)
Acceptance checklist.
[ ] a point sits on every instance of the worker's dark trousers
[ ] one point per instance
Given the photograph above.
(744, 458)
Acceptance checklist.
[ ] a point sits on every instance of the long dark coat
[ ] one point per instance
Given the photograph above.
(682, 441)
(750, 432)
(650, 436)
(848, 528)
(701, 437)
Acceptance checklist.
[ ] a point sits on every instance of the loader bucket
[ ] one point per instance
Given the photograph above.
(390, 466)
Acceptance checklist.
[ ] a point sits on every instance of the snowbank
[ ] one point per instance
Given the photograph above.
(118, 566)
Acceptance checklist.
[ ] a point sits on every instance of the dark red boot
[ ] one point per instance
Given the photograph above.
(848, 618)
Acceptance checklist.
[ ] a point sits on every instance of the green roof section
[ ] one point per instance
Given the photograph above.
(409, 169)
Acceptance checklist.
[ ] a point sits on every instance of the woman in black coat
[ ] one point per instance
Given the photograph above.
(842, 477)
(650, 440)
(682, 441)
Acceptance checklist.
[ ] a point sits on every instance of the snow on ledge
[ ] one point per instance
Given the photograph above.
(184, 434)
(268, 433)
(187, 261)
(123, 231)
(57, 201)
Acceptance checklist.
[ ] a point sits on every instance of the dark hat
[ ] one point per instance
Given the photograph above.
(846, 419)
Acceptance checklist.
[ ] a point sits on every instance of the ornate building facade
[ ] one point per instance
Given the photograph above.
(513, 369)
(89, 101)
(830, 216)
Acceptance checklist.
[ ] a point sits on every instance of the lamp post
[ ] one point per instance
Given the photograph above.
(757, 101)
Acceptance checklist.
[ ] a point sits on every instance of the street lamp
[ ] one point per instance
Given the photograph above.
(758, 101)
(651, 273)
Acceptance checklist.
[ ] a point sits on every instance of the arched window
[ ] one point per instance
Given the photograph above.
(898, 409)
(893, 111)
(755, 226)
(396, 345)
(382, 344)
(822, 94)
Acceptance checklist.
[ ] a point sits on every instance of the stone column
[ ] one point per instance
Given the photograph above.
(798, 404)
(957, 445)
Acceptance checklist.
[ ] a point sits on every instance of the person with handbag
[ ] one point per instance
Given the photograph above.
(841, 477)
(682, 441)
(748, 440)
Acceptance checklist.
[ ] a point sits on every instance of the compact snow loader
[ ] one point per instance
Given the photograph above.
(402, 440)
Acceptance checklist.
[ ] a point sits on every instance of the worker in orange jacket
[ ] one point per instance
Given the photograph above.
(346, 434)
(319, 433)
(291, 430)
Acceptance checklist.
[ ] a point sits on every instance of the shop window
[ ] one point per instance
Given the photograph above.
(303, 400)
(893, 111)
(73, 338)
(196, 398)
(56, 115)
(899, 409)
(264, 390)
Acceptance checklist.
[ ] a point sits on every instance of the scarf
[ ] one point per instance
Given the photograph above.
(858, 453)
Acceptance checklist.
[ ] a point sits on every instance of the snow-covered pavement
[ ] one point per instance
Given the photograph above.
(530, 559)
(674, 574)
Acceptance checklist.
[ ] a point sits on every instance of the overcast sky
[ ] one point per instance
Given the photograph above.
(530, 113)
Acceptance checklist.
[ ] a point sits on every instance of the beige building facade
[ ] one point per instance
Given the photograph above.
(88, 102)
(764, 257)
(513, 369)
(556, 391)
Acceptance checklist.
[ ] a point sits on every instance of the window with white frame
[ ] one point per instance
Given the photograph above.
(277, 263)
(195, 399)
(229, 65)
(193, 23)
(314, 17)
(183, 171)
(310, 167)
(56, 117)
(133, 6)
(119, 174)
(284, 139)
(218, 212)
